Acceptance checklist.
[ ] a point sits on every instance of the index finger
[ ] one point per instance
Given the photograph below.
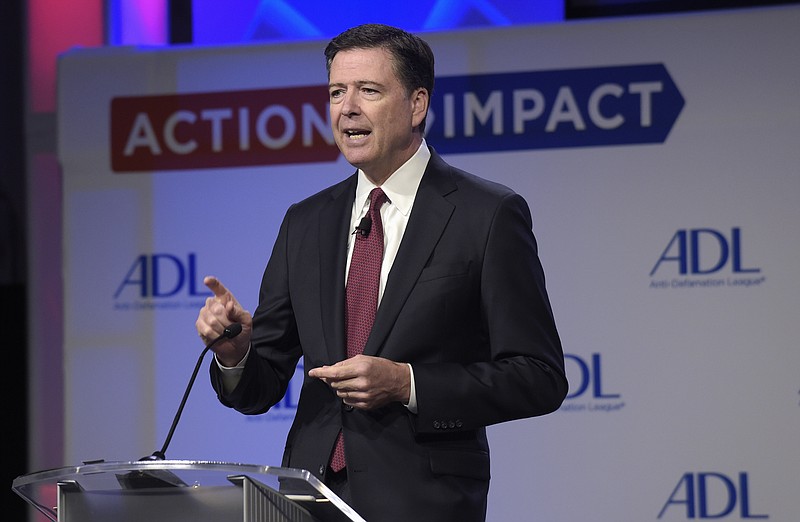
(334, 372)
(216, 286)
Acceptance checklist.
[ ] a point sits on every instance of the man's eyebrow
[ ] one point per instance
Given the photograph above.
(359, 83)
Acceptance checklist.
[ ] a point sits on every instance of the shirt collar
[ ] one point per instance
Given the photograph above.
(401, 186)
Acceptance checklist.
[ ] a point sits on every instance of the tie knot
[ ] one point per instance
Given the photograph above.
(377, 198)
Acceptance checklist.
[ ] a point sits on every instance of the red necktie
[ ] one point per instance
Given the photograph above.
(363, 281)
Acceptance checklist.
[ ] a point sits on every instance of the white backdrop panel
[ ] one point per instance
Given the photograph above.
(683, 385)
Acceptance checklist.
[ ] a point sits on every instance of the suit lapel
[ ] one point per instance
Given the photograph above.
(334, 220)
(429, 217)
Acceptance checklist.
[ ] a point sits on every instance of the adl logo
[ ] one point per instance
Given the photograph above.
(704, 252)
(586, 391)
(710, 495)
(160, 276)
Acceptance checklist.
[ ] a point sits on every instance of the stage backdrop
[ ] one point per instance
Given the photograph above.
(661, 160)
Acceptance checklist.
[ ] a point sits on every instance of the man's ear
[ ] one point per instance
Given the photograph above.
(420, 100)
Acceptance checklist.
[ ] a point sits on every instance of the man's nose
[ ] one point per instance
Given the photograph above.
(349, 104)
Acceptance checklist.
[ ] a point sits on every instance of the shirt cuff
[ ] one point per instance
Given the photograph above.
(231, 375)
(412, 399)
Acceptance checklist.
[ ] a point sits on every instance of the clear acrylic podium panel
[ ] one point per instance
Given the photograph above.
(176, 490)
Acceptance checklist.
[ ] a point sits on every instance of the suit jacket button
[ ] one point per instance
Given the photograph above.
(436, 424)
(451, 424)
(348, 407)
(459, 424)
(321, 470)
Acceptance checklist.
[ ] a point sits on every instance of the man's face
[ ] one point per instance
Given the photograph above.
(372, 116)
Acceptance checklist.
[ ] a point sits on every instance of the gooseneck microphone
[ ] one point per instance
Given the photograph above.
(230, 332)
(364, 226)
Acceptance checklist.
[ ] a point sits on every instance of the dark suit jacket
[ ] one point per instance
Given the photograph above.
(465, 304)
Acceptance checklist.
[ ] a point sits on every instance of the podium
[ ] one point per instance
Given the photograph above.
(177, 490)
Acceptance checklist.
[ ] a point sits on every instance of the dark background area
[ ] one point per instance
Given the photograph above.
(574, 9)
(12, 255)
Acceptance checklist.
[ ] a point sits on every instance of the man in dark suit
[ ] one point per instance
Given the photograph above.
(463, 336)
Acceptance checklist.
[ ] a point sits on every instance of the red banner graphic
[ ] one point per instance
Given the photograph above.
(221, 129)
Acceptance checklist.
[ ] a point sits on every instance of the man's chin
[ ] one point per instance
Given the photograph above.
(356, 158)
